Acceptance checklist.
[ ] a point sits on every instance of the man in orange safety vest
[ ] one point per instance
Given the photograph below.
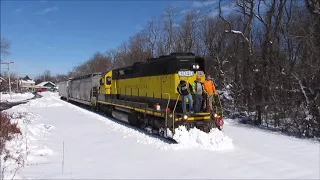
(210, 89)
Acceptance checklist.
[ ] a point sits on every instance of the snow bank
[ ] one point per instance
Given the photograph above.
(48, 100)
(44, 103)
(97, 142)
(15, 97)
(215, 140)
(30, 149)
(24, 151)
(195, 138)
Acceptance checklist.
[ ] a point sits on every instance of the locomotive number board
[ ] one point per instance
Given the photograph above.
(186, 73)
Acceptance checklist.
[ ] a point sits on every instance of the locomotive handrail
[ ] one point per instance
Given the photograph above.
(220, 106)
(166, 109)
(174, 109)
(216, 107)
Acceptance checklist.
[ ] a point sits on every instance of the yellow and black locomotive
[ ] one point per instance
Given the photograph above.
(145, 94)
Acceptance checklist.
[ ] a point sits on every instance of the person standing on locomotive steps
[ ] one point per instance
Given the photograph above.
(199, 91)
(185, 90)
(210, 89)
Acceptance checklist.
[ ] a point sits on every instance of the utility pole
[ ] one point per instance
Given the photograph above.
(17, 82)
(8, 63)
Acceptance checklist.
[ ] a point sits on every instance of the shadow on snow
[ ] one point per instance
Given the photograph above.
(140, 130)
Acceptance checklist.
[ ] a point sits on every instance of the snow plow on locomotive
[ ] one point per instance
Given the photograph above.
(145, 94)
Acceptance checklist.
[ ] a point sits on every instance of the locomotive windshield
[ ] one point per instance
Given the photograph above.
(190, 66)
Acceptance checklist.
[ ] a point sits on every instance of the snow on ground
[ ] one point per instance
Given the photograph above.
(97, 147)
(15, 97)
(27, 149)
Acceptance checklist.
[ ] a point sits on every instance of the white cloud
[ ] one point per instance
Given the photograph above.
(204, 3)
(18, 10)
(47, 10)
(197, 4)
(213, 14)
(138, 27)
(176, 25)
(226, 9)
(186, 11)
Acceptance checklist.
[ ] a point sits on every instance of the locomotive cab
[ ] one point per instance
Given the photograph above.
(188, 67)
(107, 85)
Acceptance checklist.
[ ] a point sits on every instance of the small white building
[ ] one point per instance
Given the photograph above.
(27, 84)
(46, 85)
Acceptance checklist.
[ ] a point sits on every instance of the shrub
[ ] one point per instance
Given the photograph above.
(7, 130)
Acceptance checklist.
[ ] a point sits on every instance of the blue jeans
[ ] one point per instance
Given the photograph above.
(184, 103)
(198, 104)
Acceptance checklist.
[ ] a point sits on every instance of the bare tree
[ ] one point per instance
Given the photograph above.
(47, 75)
(169, 19)
(313, 6)
(138, 47)
(152, 33)
(188, 32)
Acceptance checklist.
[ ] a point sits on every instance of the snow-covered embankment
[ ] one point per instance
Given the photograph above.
(30, 150)
(26, 149)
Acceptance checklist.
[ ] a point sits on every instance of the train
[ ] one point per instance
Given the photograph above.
(145, 94)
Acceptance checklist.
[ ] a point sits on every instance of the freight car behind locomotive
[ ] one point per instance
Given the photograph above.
(82, 89)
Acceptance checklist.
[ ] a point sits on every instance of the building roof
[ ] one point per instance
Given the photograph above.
(45, 82)
(26, 81)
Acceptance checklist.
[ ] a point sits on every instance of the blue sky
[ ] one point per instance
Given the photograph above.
(60, 34)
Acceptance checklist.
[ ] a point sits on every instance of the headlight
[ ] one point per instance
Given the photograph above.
(194, 66)
(185, 117)
(197, 66)
(215, 115)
